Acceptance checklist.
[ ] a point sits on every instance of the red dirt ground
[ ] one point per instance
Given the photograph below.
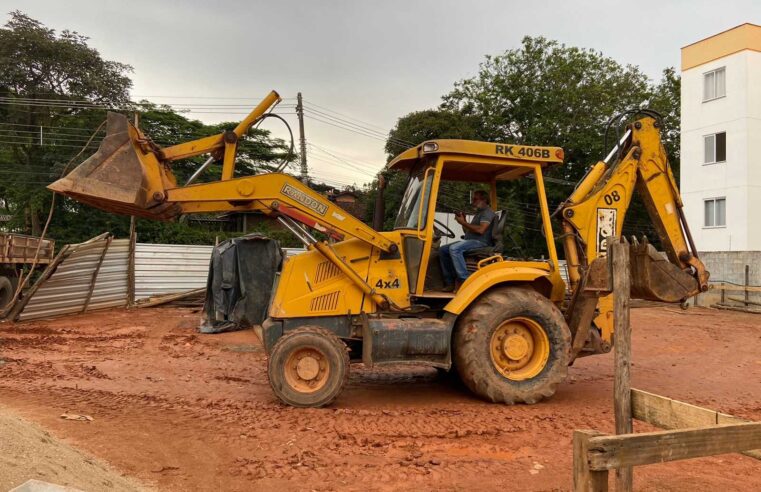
(184, 411)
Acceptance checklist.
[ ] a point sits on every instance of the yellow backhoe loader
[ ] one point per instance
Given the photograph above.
(511, 329)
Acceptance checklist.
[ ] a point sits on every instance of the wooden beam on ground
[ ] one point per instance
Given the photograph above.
(612, 452)
(673, 414)
(584, 479)
(618, 261)
(736, 308)
(163, 299)
(737, 299)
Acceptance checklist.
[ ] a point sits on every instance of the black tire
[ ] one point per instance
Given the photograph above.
(319, 345)
(6, 291)
(472, 345)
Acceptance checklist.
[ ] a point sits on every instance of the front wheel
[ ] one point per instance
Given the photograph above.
(308, 367)
(512, 346)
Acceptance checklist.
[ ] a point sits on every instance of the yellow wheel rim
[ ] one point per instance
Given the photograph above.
(307, 370)
(519, 349)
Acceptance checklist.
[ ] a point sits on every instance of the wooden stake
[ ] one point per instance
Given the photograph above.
(618, 261)
(131, 263)
(584, 479)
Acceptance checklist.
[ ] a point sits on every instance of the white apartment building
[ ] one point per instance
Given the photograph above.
(720, 177)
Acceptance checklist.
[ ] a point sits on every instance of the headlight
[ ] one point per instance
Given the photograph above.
(430, 147)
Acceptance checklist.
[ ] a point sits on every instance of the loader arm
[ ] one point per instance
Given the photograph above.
(131, 175)
(596, 210)
(276, 194)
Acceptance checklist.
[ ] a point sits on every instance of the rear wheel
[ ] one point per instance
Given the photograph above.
(512, 346)
(308, 367)
(6, 291)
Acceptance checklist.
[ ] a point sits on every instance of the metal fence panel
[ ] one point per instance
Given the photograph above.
(66, 291)
(169, 268)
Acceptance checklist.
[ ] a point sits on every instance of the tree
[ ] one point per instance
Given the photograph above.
(547, 93)
(419, 126)
(411, 130)
(54, 93)
(44, 80)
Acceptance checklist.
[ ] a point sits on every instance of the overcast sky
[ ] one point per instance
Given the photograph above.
(373, 61)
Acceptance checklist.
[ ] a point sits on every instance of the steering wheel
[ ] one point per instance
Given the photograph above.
(443, 230)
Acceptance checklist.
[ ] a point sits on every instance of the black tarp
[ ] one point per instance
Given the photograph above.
(241, 276)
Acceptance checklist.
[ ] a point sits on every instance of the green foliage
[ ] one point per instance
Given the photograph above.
(59, 83)
(420, 126)
(544, 93)
(45, 76)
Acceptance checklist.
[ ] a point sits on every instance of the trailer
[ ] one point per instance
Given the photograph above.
(17, 252)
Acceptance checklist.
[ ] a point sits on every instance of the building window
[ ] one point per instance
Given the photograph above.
(715, 148)
(715, 212)
(714, 84)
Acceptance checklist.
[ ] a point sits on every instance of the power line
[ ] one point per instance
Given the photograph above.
(346, 116)
(353, 165)
(357, 128)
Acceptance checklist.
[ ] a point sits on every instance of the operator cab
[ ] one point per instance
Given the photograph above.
(442, 176)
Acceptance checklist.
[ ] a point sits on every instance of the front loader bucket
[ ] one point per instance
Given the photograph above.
(655, 278)
(116, 178)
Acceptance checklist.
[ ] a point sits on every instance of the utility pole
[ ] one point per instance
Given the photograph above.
(302, 139)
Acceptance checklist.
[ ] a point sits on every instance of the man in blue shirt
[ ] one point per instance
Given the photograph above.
(477, 235)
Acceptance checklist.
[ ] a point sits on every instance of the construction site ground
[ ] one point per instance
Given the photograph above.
(177, 410)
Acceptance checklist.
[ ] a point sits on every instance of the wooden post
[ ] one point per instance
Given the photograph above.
(618, 261)
(131, 262)
(94, 278)
(722, 293)
(584, 479)
(747, 282)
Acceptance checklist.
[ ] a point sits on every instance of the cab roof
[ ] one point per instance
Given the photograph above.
(474, 161)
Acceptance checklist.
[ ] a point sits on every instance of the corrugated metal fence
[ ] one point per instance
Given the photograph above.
(95, 275)
(168, 268)
(84, 277)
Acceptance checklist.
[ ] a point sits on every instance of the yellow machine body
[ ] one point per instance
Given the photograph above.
(358, 273)
(310, 285)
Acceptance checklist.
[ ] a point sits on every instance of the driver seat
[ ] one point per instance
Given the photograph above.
(496, 239)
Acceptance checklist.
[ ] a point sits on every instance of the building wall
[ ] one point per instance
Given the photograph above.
(739, 178)
(728, 267)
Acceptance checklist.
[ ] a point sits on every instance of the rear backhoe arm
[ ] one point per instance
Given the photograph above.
(596, 211)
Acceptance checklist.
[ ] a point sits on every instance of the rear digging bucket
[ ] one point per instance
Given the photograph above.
(655, 278)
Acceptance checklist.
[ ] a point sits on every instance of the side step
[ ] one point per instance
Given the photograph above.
(408, 340)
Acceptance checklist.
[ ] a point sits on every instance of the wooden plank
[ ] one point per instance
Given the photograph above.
(746, 301)
(584, 479)
(674, 414)
(739, 288)
(163, 299)
(611, 452)
(733, 308)
(95, 272)
(669, 414)
(20, 304)
(618, 258)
